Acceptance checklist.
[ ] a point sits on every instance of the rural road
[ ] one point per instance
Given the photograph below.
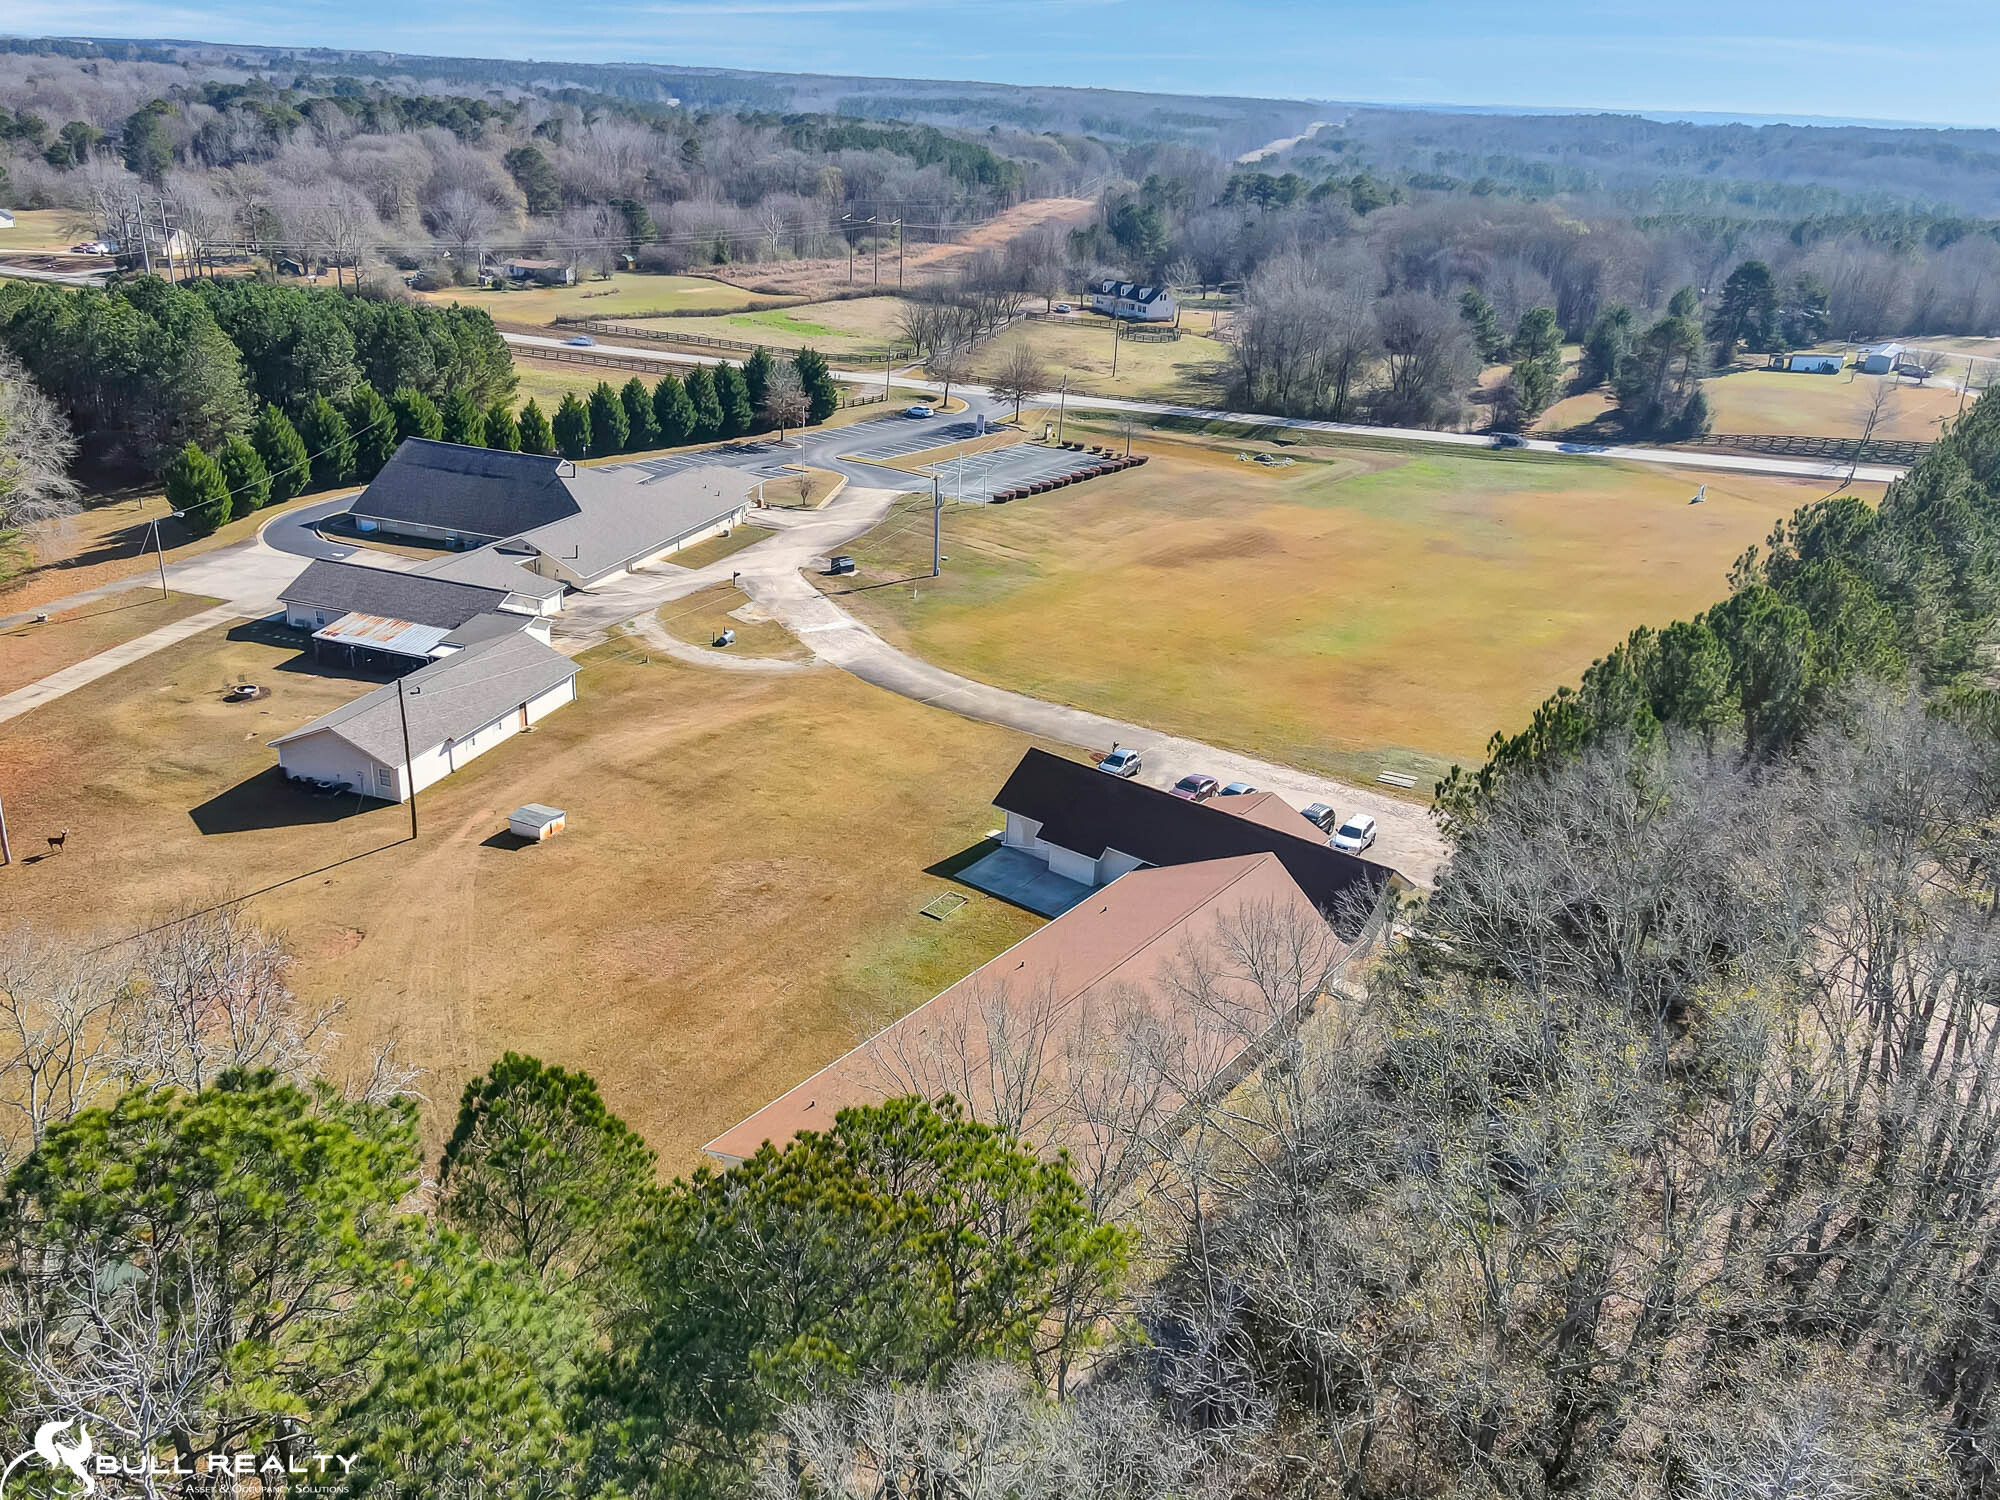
(1727, 463)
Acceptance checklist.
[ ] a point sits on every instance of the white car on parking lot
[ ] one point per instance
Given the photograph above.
(919, 410)
(1355, 835)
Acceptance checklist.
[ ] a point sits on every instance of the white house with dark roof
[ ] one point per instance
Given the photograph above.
(1133, 301)
(497, 682)
(573, 525)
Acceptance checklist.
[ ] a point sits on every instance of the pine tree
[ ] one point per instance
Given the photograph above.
(732, 395)
(502, 431)
(536, 434)
(327, 438)
(374, 428)
(417, 415)
(644, 432)
(821, 392)
(243, 474)
(196, 488)
(673, 413)
(707, 409)
(571, 427)
(278, 443)
(608, 428)
(464, 422)
(757, 378)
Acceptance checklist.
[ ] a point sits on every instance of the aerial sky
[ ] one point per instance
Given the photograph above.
(1919, 60)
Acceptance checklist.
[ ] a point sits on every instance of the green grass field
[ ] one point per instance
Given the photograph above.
(45, 229)
(860, 328)
(1364, 609)
(621, 295)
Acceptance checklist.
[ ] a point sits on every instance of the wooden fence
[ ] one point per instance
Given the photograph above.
(1796, 445)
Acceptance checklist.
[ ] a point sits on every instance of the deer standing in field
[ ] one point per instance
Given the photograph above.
(57, 840)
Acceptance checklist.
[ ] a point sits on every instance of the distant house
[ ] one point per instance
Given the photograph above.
(502, 680)
(1091, 828)
(6, 219)
(575, 526)
(542, 272)
(1881, 359)
(1128, 299)
(1815, 364)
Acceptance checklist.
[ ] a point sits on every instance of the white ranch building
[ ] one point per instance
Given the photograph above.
(459, 707)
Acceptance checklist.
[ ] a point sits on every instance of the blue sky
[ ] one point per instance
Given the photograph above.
(1926, 60)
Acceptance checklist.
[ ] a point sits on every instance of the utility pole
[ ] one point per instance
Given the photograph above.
(899, 254)
(6, 849)
(876, 241)
(937, 526)
(1062, 405)
(145, 239)
(1114, 346)
(409, 770)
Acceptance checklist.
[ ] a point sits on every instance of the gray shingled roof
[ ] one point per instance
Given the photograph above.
(351, 588)
(497, 565)
(627, 512)
(473, 491)
(446, 700)
(1130, 291)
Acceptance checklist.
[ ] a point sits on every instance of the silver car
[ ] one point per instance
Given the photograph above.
(1120, 763)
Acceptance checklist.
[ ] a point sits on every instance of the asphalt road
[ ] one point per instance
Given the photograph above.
(983, 399)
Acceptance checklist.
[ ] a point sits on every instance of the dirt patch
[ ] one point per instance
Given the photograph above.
(1239, 541)
(816, 279)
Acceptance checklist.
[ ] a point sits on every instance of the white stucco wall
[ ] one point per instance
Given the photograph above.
(1022, 833)
(327, 757)
(1071, 865)
(1115, 862)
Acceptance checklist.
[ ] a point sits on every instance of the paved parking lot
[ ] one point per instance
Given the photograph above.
(759, 458)
(908, 435)
(979, 476)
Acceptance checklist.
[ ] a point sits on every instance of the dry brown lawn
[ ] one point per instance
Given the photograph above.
(735, 902)
(29, 652)
(112, 539)
(1362, 609)
(700, 617)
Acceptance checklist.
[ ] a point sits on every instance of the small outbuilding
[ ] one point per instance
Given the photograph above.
(536, 821)
(1881, 359)
(1815, 364)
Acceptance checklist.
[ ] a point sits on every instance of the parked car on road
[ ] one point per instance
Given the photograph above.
(1120, 763)
(919, 410)
(1237, 789)
(1356, 834)
(581, 341)
(1194, 788)
(1321, 817)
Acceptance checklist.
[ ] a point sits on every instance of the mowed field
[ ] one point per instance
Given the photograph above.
(620, 295)
(1778, 401)
(735, 902)
(1193, 368)
(1361, 610)
(864, 328)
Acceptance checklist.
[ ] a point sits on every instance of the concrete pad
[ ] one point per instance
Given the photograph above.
(1017, 877)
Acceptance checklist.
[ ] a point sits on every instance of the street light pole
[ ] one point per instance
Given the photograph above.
(937, 525)
(6, 849)
(409, 769)
(1062, 406)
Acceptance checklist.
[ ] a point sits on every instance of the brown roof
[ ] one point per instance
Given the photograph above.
(1271, 810)
(1086, 971)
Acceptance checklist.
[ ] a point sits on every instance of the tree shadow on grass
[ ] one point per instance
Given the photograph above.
(268, 800)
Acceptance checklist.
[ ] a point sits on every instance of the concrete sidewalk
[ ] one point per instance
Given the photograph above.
(69, 679)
